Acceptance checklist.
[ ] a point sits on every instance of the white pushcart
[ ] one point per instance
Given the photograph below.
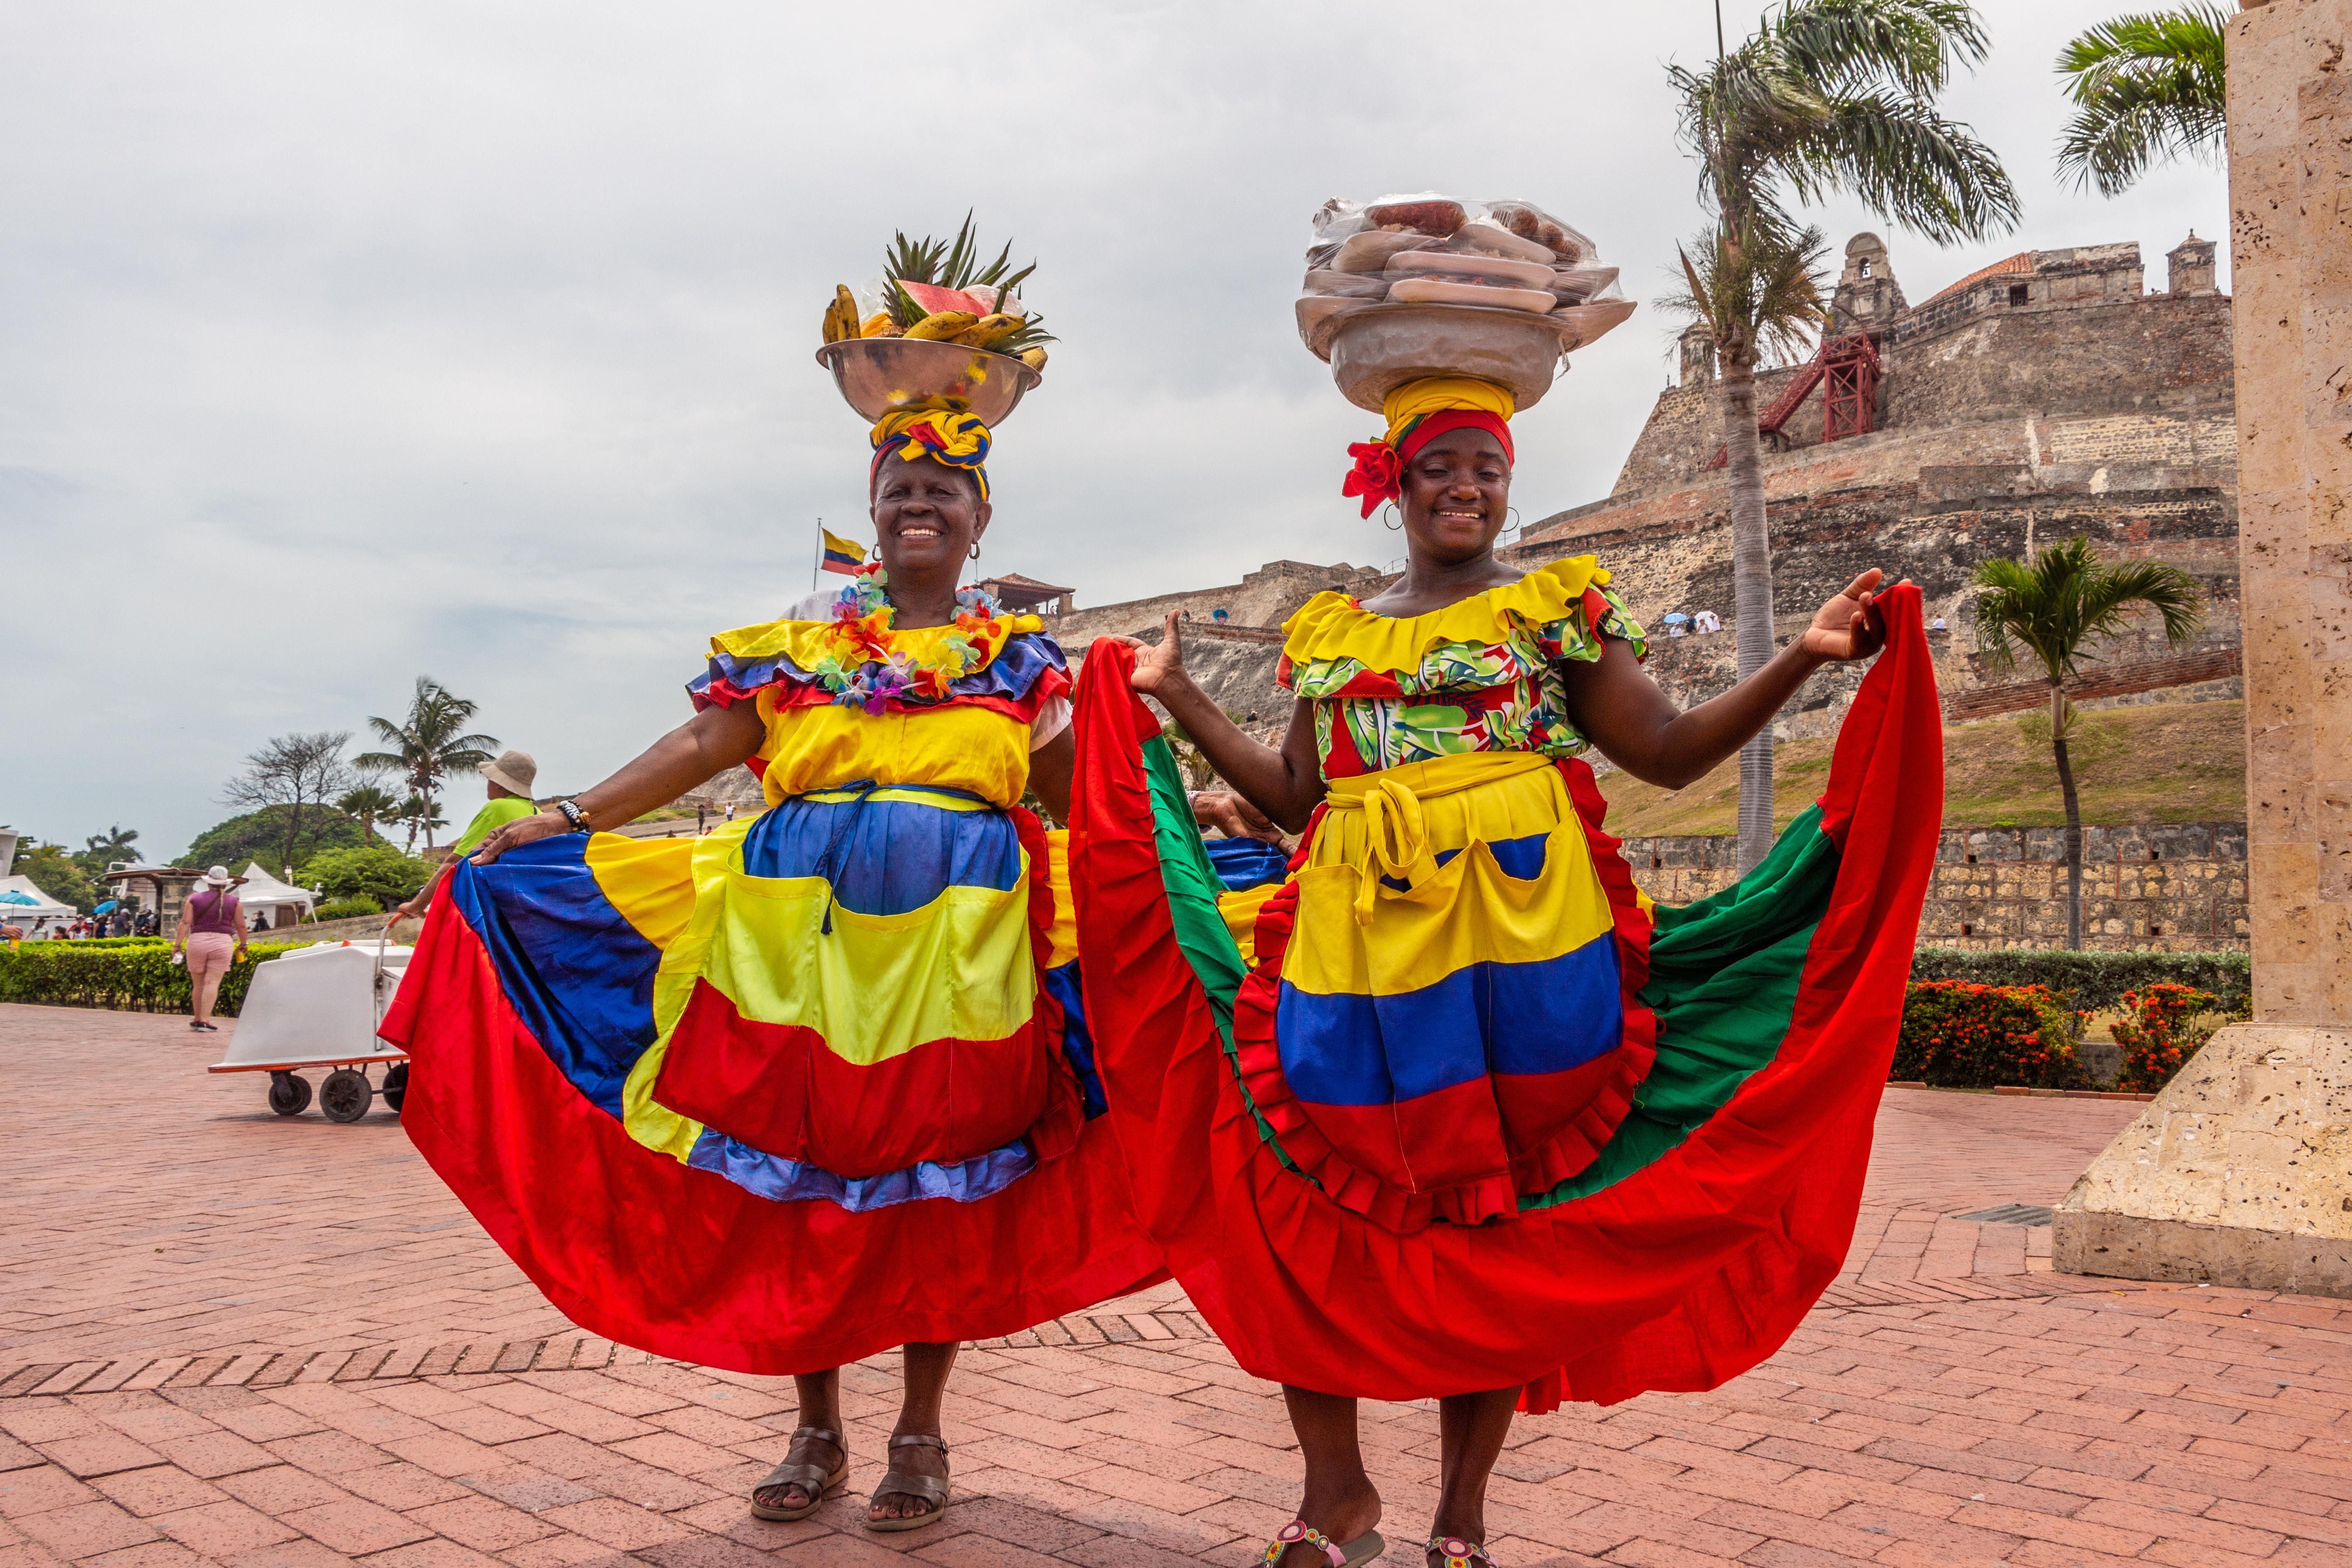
(319, 1007)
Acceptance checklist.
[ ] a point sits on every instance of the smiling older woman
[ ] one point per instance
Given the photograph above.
(1486, 1124)
(817, 1084)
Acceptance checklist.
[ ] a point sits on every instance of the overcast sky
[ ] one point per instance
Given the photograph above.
(342, 343)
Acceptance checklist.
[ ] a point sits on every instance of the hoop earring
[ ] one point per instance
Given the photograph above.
(975, 550)
(1393, 527)
(1513, 513)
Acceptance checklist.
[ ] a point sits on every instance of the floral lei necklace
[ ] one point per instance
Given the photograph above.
(865, 671)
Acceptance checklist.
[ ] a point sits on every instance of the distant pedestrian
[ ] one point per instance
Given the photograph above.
(212, 933)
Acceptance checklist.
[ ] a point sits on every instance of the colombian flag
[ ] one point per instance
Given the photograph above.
(840, 555)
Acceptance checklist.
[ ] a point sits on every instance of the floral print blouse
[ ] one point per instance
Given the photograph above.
(1481, 675)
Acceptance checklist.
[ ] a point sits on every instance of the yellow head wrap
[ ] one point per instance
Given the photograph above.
(1443, 394)
(959, 440)
(1380, 465)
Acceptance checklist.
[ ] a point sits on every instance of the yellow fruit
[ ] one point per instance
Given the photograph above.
(844, 310)
(987, 330)
(941, 325)
(878, 325)
(1033, 358)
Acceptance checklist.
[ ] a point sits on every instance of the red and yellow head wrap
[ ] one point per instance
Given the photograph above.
(1418, 413)
(958, 440)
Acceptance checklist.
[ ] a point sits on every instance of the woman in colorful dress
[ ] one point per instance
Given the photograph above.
(817, 1084)
(1476, 1121)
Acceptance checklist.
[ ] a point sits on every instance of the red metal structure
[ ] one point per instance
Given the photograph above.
(1849, 365)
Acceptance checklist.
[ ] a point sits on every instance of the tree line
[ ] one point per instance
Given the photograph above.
(310, 812)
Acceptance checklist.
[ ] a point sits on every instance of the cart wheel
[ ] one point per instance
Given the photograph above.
(288, 1095)
(346, 1095)
(396, 1086)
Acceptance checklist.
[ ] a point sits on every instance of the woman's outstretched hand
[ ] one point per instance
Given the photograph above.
(1848, 627)
(523, 830)
(1161, 665)
(1235, 817)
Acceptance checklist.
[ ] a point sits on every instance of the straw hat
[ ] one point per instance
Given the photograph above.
(513, 770)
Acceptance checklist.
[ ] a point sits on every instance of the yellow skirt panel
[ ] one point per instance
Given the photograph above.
(961, 747)
(1355, 935)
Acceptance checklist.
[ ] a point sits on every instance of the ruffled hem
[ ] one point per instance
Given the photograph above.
(1019, 678)
(1565, 1154)
(808, 643)
(1334, 625)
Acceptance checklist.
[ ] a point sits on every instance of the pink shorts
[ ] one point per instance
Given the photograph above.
(210, 952)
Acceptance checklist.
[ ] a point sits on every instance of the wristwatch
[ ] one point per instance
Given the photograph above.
(574, 816)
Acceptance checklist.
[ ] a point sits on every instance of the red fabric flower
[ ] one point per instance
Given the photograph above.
(1377, 475)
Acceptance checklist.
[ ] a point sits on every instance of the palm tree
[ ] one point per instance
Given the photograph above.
(2050, 607)
(100, 850)
(413, 813)
(368, 802)
(1829, 95)
(428, 744)
(2145, 88)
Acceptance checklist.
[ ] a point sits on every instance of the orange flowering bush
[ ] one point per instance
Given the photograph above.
(1958, 1034)
(2158, 1035)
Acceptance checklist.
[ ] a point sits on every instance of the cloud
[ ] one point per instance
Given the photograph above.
(339, 344)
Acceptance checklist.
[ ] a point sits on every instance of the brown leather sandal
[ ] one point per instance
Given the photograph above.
(814, 1479)
(896, 1482)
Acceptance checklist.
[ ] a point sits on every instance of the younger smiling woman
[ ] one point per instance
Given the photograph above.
(817, 1084)
(1482, 1123)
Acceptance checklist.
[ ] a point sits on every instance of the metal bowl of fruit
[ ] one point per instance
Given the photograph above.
(883, 375)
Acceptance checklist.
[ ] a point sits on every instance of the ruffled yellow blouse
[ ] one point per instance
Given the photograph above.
(1480, 675)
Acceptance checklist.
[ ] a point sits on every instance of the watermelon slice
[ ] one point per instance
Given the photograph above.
(934, 298)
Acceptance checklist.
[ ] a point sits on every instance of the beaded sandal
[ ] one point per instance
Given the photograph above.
(1361, 1550)
(814, 1479)
(932, 1490)
(1453, 1552)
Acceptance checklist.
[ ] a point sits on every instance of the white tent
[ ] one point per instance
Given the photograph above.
(262, 891)
(21, 903)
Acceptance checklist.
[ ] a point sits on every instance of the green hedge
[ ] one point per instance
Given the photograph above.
(134, 975)
(2095, 982)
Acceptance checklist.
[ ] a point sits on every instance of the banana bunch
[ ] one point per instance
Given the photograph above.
(841, 316)
(964, 329)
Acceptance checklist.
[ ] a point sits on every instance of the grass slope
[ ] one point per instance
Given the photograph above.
(2167, 761)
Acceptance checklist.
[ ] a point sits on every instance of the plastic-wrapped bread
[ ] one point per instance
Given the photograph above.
(1370, 250)
(1429, 290)
(1434, 215)
(1485, 239)
(1324, 281)
(1574, 285)
(1488, 269)
(1531, 221)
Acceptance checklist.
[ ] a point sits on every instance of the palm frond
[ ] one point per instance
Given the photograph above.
(2147, 87)
(2055, 603)
(1840, 95)
(1911, 44)
(1763, 293)
(1908, 162)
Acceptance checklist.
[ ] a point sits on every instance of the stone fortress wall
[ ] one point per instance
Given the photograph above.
(2047, 396)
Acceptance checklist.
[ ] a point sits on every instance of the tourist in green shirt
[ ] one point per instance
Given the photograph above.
(511, 777)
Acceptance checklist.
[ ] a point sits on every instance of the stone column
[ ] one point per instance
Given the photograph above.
(2241, 1172)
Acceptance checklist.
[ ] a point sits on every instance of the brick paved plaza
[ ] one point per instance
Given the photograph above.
(229, 1338)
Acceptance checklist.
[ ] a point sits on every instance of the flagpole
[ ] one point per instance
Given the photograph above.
(816, 567)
